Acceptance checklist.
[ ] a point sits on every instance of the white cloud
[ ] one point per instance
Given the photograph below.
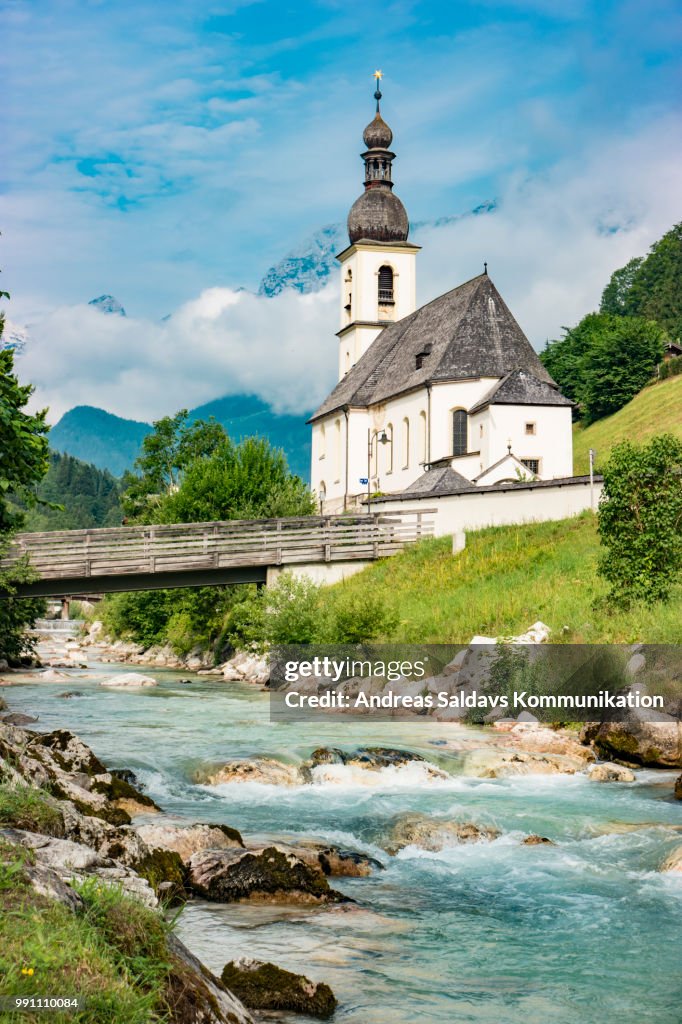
(551, 247)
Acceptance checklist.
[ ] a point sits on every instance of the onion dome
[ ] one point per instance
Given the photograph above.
(378, 215)
(377, 134)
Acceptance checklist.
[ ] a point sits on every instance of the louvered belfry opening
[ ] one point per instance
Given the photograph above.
(459, 432)
(385, 284)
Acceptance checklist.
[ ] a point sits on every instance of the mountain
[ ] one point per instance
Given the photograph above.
(108, 304)
(93, 435)
(89, 497)
(14, 337)
(113, 443)
(655, 410)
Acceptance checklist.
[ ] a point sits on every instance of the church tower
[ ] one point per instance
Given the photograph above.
(378, 284)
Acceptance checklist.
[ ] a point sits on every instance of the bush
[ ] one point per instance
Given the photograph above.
(28, 807)
(640, 520)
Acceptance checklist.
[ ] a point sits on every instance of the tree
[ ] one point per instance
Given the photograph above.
(615, 297)
(621, 360)
(248, 480)
(23, 462)
(603, 362)
(167, 452)
(640, 520)
(651, 286)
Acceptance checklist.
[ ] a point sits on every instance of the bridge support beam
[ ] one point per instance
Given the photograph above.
(142, 581)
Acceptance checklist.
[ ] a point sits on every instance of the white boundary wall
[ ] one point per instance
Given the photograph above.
(501, 506)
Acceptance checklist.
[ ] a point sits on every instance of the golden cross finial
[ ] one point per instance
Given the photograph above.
(378, 75)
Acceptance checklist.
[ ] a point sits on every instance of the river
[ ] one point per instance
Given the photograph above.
(491, 933)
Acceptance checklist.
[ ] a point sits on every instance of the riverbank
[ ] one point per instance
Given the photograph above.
(468, 891)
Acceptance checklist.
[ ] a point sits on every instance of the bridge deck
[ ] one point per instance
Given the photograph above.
(190, 554)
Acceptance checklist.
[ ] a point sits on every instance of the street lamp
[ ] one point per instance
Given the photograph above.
(381, 437)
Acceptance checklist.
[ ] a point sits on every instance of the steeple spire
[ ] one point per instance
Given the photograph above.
(378, 215)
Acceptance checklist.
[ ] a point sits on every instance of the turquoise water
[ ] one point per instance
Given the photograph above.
(491, 933)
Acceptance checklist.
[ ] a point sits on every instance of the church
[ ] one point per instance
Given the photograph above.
(447, 397)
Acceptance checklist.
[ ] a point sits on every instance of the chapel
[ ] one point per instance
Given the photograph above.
(447, 396)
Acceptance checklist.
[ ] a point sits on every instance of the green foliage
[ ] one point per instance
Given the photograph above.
(29, 808)
(140, 615)
(113, 953)
(297, 611)
(249, 480)
(89, 497)
(652, 289)
(167, 452)
(23, 444)
(616, 295)
(670, 368)
(640, 520)
(604, 361)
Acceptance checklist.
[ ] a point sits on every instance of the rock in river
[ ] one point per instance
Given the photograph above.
(265, 770)
(414, 829)
(190, 839)
(608, 772)
(264, 986)
(265, 872)
(129, 681)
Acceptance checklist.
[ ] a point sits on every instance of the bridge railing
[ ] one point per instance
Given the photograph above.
(118, 551)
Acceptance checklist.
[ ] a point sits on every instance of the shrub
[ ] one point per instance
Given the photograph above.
(640, 520)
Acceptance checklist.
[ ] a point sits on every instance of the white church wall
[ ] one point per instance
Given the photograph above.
(551, 441)
(360, 282)
(503, 507)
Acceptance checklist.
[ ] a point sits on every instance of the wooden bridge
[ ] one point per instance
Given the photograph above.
(203, 554)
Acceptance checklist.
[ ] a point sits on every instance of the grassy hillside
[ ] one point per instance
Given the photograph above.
(505, 580)
(655, 410)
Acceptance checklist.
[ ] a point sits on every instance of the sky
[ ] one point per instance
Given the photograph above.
(169, 153)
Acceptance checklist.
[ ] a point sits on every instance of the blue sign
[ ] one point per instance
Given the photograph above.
(364, 480)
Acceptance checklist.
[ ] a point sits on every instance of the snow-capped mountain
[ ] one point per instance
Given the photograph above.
(107, 304)
(14, 337)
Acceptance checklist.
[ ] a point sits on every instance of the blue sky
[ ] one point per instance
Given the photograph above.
(154, 150)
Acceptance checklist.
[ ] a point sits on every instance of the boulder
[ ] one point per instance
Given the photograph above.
(606, 771)
(367, 758)
(264, 986)
(18, 719)
(195, 995)
(46, 882)
(537, 841)
(414, 829)
(333, 861)
(259, 873)
(51, 675)
(190, 839)
(491, 763)
(71, 693)
(129, 681)
(652, 744)
(673, 862)
(265, 770)
(73, 861)
(542, 740)
(248, 667)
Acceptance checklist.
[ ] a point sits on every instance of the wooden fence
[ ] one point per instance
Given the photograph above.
(197, 547)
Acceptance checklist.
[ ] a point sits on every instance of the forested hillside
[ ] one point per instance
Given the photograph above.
(89, 497)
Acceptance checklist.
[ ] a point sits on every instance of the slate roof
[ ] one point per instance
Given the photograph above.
(472, 334)
(521, 388)
(438, 480)
(412, 492)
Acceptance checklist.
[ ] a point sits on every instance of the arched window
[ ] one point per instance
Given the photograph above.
(422, 437)
(406, 443)
(385, 284)
(459, 432)
(323, 440)
(389, 448)
(338, 450)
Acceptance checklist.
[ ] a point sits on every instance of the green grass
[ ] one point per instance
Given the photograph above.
(29, 808)
(655, 410)
(113, 953)
(506, 579)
